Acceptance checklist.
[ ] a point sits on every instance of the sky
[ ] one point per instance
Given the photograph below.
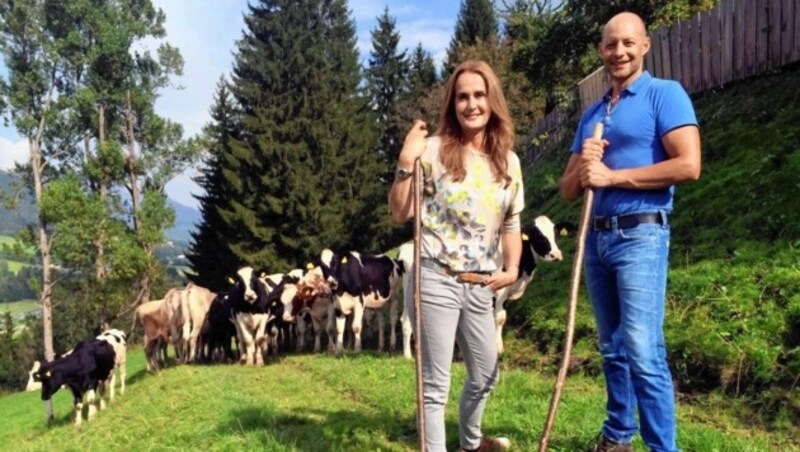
(206, 32)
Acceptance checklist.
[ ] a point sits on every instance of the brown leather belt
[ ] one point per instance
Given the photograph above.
(467, 277)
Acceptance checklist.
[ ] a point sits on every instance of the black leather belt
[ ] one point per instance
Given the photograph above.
(626, 221)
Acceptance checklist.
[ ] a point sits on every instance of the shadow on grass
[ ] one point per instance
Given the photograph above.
(320, 430)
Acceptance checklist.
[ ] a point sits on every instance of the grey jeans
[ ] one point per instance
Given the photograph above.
(462, 313)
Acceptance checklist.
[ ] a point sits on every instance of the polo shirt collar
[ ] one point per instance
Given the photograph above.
(642, 81)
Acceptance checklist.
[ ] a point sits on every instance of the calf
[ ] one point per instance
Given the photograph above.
(118, 342)
(195, 304)
(357, 283)
(538, 245)
(251, 314)
(83, 371)
(312, 304)
(155, 319)
(219, 327)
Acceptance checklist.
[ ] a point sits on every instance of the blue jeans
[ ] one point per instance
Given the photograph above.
(626, 274)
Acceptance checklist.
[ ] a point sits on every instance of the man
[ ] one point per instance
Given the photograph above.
(650, 143)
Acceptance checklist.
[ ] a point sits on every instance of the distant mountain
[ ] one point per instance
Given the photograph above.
(24, 213)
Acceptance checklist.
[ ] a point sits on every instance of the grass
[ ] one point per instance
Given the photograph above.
(359, 402)
(18, 309)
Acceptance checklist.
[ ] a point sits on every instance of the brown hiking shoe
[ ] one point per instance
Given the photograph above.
(604, 444)
(490, 445)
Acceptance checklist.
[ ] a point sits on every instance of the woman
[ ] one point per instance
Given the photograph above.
(472, 202)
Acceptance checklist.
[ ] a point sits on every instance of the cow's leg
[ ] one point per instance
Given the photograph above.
(77, 403)
(393, 324)
(405, 321)
(261, 348)
(301, 333)
(316, 326)
(102, 387)
(122, 375)
(500, 320)
(358, 321)
(381, 341)
(340, 324)
(248, 357)
(112, 379)
(90, 396)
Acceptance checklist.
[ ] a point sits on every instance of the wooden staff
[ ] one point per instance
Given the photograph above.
(574, 283)
(418, 301)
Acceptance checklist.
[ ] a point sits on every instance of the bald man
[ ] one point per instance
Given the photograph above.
(650, 143)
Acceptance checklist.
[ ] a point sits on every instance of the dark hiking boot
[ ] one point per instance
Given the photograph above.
(604, 444)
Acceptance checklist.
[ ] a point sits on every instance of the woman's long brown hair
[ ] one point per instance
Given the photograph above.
(499, 135)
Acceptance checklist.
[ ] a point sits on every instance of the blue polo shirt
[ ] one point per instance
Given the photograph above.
(646, 110)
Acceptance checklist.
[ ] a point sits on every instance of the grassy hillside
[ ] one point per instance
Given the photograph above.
(303, 403)
(733, 315)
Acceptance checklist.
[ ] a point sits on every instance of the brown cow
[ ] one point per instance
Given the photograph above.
(195, 303)
(155, 319)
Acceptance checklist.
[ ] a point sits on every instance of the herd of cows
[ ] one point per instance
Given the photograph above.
(263, 315)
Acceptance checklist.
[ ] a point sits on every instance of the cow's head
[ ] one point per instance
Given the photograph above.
(49, 379)
(311, 287)
(280, 299)
(34, 379)
(329, 263)
(245, 284)
(540, 238)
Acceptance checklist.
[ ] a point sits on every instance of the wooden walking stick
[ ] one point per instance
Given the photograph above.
(418, 301)
(574, 283)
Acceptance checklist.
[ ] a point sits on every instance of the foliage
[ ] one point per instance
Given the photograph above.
(305, 122)
(476, 23)
(14, 284)
(209, 255)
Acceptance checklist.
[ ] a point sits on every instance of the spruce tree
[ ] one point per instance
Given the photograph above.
(387, 78)
(209, 256)
(477, 22)
(303, 171)
(422, 74)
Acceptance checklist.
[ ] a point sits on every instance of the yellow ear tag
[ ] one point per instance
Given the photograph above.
(309, 266)
(231, 281)
(263, 275)
(344, 260)
(47, 374)
(525, 237)
(564, 232)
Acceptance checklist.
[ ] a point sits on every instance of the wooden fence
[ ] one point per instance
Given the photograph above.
(734, 40)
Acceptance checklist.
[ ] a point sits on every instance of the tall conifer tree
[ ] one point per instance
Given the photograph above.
(422, 73)
(209, 256)
(477, 21)
(387, 78)
(303, 171)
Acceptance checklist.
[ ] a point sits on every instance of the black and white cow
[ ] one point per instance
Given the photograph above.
(84, 371)
(538, 245)
(360, 282)
(219, 328)
(250, 314)
(118, 342)
(312, 305)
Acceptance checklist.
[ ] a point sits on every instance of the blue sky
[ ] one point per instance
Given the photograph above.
(205, 31)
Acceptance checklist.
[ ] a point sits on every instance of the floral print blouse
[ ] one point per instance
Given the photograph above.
(462, 221)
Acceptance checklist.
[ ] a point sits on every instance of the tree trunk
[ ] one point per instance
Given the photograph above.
(99, 243)
(37, 166)
(131, 160)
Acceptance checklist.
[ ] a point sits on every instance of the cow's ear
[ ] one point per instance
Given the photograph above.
(263, 275)
(525, 237)
(565, 228)
(309, 266)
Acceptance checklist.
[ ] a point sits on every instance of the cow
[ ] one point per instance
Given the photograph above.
(178, 318)
(251, 314)
(360, 282)
(538, 245)
(85, 371)
(155, 319)
(118, 342)
(195, 304)
(219, 329)
(312, 304)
